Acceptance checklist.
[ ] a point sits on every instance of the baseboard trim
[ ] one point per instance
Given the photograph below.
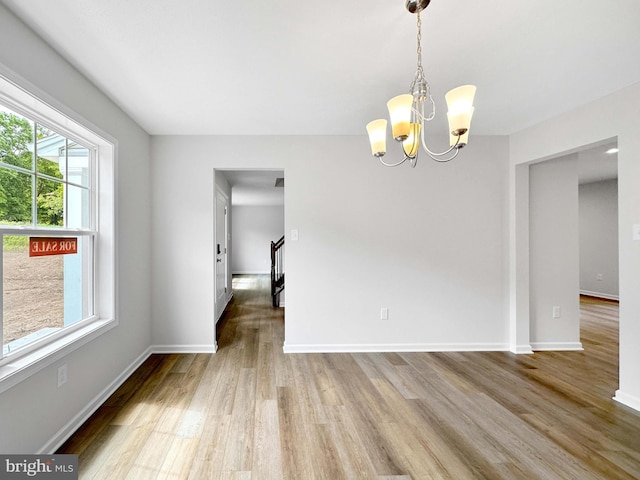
(521, 349)
(556, 346)
(372, 348)
(183, 348)
(627, 400)
(599, 295)
(76, 422)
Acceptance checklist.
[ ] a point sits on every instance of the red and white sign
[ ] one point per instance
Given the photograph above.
(41, 246)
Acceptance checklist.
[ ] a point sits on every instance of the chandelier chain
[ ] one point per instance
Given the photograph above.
(420, 88)
(419, 37)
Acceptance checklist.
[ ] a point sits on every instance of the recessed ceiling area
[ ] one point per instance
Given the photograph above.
(291, 68)
(254, 187)
(596, 165)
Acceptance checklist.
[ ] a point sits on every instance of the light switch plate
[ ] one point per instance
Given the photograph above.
(294, 235)
(636, 231)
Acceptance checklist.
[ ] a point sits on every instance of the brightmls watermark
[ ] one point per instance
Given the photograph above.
(51, 467)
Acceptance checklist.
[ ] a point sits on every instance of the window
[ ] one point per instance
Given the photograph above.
(45, 184)
(56, 227)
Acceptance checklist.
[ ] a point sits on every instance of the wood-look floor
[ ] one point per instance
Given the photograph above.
(252, 412)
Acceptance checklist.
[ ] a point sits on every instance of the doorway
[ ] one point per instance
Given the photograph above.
(256, 217)
(572, 238)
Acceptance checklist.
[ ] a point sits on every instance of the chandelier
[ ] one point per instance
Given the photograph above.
(409, 113)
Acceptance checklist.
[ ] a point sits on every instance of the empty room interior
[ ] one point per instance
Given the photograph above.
(462, 274)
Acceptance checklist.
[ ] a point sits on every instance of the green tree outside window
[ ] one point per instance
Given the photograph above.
(16, 187)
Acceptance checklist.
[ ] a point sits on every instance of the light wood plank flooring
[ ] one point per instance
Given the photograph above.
(251, 412)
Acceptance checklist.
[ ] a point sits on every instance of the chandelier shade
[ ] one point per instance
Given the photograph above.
(460, 105)
(377, 130)
(410, 112)
(400, 115)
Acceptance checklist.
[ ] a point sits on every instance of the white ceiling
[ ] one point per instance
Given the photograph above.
(288, 67)
(254, 187)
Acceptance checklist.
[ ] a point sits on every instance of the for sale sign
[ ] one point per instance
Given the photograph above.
(41, 246)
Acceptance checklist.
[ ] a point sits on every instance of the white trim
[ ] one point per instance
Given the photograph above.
(183, 348)
(244, 272)
(628, 400)
(24, 366)
(599, 295)
(76, 422)
(226, 303)
(28, 100)
(402, 347)
(522, 350)
(25, 92)
(556, 346)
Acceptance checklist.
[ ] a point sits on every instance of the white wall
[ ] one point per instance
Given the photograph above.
(616, 115)
(428, 243)
(35, 414)
(599, 239)
(553, 254)
(254, 228)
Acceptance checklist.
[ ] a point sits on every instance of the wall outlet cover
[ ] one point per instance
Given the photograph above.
(62, 375)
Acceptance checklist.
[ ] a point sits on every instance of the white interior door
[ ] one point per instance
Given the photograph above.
(220, 250)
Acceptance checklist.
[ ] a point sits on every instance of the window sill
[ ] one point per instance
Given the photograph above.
(24, 366)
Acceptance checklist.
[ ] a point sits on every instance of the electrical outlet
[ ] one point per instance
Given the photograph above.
(62, 375)
(556, 312)
(384, 313)
(599, 277)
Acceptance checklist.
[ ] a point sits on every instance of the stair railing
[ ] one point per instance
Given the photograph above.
(277, 271)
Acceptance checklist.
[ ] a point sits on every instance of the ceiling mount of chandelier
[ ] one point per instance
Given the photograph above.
(410, 112)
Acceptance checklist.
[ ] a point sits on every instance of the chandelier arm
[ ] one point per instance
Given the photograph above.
(434, 155)
(412, 159)
(418, 110)
(393, 164)
(444, 160)
(433, 103)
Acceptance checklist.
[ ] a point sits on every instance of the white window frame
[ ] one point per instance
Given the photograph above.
(27, 100)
